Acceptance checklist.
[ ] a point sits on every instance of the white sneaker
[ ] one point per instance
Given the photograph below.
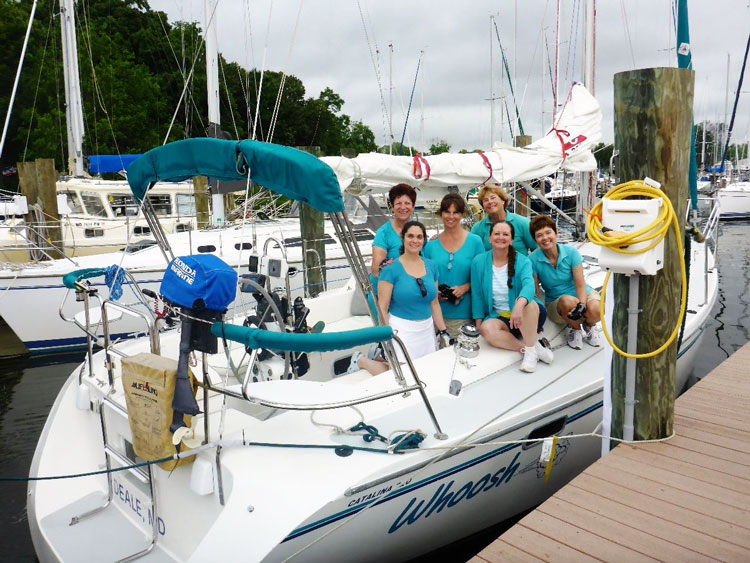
(530, 359)
(575, 339)
(593, 336)
(544, 353)
(354, 365)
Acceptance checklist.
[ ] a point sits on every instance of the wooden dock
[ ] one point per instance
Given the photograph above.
(687, 499)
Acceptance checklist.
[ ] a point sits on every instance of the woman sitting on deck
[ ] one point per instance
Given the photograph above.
(502, 298)
(407, 297)
(557, 268)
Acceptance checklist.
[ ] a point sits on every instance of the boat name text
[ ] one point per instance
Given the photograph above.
(445, 497)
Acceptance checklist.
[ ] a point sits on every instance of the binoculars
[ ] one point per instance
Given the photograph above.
(577, 313)
(446, 291)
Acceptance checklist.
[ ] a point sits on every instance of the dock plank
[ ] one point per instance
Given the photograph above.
(682, 543)
(581, 539)
(637, 498)
(684, 499)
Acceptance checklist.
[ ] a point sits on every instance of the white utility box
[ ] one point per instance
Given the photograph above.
(630, 216)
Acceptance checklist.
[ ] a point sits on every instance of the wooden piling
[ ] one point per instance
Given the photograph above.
(200, 190)
(522, 204)
(653, 116)
(313, 247)
(38, 181)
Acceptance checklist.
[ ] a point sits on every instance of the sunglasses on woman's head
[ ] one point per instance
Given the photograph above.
(422, 288)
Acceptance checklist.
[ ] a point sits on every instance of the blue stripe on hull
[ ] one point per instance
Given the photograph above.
(409, 488)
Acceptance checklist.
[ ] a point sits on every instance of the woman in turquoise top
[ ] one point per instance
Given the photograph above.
(452, 251)
(495, 203)
(558, 269)
(504, 307)
(386, 246)
(407, 298)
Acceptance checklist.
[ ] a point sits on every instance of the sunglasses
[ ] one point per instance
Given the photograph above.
(422, 288)
(450, 261)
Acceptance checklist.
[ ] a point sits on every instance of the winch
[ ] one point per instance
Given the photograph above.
(467, 345)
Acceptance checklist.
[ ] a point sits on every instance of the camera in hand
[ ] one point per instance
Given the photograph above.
(447, 292)
(577, 313)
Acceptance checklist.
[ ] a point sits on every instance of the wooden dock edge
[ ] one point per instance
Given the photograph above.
(686, 499)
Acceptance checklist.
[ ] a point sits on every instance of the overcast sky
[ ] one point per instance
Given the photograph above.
(340, 43)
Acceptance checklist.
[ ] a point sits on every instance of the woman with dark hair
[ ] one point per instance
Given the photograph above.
(504, 306)
(558, 269)
(495, 201)
(387, 243)
(407, 297)
(452, 251)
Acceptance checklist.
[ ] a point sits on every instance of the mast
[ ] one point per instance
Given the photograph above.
(73, 103)
(212, 85)
(555, 92)
(390, 97)
(685, 60)
(492, 90)
(588, 185)
(726, 116)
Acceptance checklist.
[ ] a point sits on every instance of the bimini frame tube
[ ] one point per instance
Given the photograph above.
(345, 232)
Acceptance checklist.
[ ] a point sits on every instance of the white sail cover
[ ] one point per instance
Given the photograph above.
(568, 145)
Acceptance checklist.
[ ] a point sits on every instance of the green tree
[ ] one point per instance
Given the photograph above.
(439, 146)
(603, 155)
(134, 67)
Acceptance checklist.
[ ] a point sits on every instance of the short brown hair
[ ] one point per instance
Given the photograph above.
(453, 199)
(498, 191)
(540, 222)
(402, 189)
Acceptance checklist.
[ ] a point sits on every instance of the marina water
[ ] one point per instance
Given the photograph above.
(28, 388)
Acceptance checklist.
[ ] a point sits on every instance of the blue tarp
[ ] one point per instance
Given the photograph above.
(106, 163)
(295, 174)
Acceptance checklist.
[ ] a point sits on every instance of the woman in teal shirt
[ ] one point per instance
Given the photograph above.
(504, 307)
(407, 298)
(495, 203)
(558, 269)
(452, 251)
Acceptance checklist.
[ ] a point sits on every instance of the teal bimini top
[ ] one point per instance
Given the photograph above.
(289, 172)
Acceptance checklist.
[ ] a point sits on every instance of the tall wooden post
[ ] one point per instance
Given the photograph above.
(38, 181)
(200, 190)
(522, 203)
(313, 247)
(653, 116)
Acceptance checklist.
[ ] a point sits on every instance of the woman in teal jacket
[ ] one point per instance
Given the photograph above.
(504, 305)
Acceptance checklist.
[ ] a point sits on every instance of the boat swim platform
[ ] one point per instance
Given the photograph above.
(685, 499)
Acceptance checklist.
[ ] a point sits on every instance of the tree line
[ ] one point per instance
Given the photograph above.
(134, 66)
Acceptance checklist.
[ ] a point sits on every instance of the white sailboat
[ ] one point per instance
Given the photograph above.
(321, 464)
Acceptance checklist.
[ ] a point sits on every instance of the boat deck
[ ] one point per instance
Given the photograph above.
(687, 499)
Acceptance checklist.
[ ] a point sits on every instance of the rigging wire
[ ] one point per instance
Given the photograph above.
(36, 90)
(18, 77)
(510, 80)
(627, 33)
(411, 98)
(229, 99)
(181, 68)
(262, 73)
(376, 68)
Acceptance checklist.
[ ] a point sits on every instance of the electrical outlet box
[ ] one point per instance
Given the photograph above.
(630, 216)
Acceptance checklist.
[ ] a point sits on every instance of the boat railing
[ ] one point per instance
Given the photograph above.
(84, 293)
(709, 235)
(259, 339)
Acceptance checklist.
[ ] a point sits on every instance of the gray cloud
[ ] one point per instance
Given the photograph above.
(330, 48)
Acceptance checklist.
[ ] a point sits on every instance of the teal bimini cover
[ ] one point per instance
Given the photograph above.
(290, 172)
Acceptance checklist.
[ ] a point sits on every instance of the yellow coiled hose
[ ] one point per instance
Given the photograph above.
(655, 232)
